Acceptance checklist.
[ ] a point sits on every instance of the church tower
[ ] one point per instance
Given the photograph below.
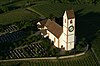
(69, 30)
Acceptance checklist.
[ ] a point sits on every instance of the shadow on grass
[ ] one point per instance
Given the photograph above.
(87, 25)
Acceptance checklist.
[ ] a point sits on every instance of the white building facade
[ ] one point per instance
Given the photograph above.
(63, 37)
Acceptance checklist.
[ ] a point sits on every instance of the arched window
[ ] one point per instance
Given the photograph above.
(71, 21)
(65, 20)
(61, 46)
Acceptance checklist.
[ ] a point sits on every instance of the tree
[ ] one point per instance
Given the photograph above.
(96, 2)
(1, 11)
(4, 8)
(72, 1)
(65, 1)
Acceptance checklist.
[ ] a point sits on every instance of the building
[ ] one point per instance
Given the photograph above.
(63, 37)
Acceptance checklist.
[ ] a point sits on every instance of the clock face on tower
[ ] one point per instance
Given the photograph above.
(71, 28)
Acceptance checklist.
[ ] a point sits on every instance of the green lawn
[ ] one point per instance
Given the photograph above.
(17, 16)
(4, 1)
(55, 9)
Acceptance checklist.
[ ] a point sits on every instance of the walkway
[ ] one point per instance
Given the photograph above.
(50, 58)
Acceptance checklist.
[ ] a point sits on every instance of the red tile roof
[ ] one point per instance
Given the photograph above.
(42, 22)
(70, 14)
(54, 28)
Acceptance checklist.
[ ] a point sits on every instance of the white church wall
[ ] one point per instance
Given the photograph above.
(67, 38)
(56, 42)
(53, 38)
(45, 27)
(70, 45)
(38, 23)
(70, 38)
(67, 35)
(71, 35)
(63, 38)
(65, 23)
(73, 22)
(62, 42)
(46, 35)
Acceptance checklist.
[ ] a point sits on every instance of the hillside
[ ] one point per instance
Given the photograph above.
(25, 14)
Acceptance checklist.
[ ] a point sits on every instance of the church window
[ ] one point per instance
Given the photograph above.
(71, 22)
(61, 46)
(65, 20)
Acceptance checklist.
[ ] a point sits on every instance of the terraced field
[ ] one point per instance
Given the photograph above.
(86, 60)
(55, 9)
(8, 2)
(48, 9)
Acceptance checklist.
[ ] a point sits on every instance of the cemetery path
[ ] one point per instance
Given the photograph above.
(50, 58)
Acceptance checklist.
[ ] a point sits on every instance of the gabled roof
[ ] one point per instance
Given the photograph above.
(70, 14)
(54, 28)
(42, 22)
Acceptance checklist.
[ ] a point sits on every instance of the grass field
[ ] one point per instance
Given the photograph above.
(18, 2)
(47, 9)
(86, 60)
(86, 15)
(17, 16)
(87, 24)
(7, 1)
(57, 9)
(4, 1)
(96, 45)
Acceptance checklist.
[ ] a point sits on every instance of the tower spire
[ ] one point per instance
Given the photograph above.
(68, 29)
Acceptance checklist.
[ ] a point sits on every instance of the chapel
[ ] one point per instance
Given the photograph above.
(61, 36)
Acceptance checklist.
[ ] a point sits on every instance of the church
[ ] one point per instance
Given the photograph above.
(62, 37)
